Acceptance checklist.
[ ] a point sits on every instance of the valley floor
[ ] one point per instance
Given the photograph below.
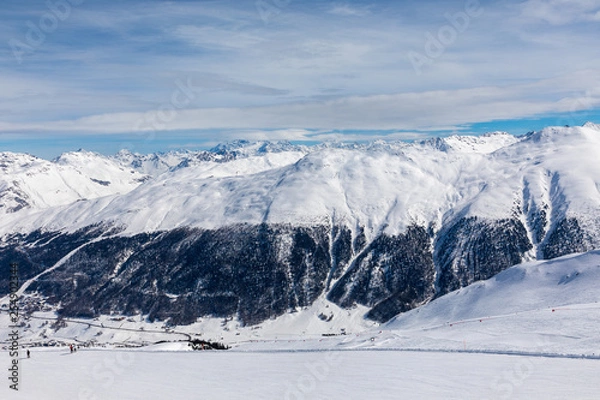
(250, 374)
(531, 332)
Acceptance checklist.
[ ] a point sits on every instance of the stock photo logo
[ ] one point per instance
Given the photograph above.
(436, 43)
(38, 31)
(275, 199)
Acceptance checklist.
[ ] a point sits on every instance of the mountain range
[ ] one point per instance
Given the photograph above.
(253, 231)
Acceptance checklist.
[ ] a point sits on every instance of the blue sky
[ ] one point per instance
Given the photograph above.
(160, 75)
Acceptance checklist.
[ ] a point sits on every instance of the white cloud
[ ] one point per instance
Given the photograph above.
(345, 10)
(561, 12)
(415, 111)
(305, 69)
(210, 36)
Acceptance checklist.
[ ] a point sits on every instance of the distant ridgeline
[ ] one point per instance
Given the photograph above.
(261, 231)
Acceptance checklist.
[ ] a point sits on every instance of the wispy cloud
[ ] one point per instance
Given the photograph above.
(560, 12)
(333, 67)
(428, 110)
(346, 10)
(217, 38)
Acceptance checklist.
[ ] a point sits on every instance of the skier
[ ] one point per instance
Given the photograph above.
(71, 347)
(28, 353)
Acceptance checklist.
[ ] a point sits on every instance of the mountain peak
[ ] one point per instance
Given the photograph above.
(565, 134)
(483, 144)
(80, 155)
(247, 148)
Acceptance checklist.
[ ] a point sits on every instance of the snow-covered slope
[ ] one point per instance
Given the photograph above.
(382, 225)
(28, 182)
(239, 157)
(549, 307)
(548, 286)
(555, 172)
(539, 308)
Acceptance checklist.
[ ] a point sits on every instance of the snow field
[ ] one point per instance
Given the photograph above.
(307, 375)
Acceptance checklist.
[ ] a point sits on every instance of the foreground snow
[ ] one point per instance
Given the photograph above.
(529, 332)
(307, 375)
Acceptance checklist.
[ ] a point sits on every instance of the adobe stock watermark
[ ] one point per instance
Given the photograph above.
(436, 44)
(105, 373)
(57, 11)
(13, 337)
(305, 385)
(156, 120)
(513, 378)
(269, 9)
(504, 385)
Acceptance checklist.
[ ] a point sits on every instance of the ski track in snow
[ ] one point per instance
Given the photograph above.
(424, 350)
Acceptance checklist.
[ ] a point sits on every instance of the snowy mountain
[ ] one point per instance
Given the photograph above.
(254, 231)
(529, 332)
(548, 307)
(529, 287)
(28, 182)
(225, 159)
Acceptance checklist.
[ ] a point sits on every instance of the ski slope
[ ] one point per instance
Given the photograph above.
(149, 375)
(542, 307)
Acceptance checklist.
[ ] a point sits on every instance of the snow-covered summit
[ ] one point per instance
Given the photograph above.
(247, 148)
(158, 163)
(592, 125)
(484, 144)
(152, 164)
(380, 186)
(28, 182)
(383, 225)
